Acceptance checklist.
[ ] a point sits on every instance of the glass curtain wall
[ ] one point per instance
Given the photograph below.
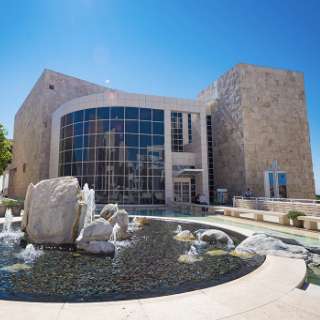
(119, 151)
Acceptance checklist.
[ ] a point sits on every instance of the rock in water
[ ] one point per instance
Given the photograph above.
(99, 229)
(120, 218)
(185, 235)
(141, 221)
(264, 244)
(108, 211)
(217, 238)
(98, 247)
(52, 211)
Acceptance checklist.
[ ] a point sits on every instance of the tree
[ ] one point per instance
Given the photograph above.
(5, 149)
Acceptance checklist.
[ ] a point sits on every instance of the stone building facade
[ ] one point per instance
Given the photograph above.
(257, 116)
(260, 117)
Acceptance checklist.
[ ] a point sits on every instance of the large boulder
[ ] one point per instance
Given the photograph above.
(52, 211)
(108, 211)
(264, 244)
(120, 221)
(99, 229)
(98, 247)
(217, 238)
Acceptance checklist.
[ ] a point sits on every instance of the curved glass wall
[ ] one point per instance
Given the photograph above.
(119, 151)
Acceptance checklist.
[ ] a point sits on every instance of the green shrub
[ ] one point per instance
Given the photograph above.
(9, 203)
(293, 214)
(318, 197)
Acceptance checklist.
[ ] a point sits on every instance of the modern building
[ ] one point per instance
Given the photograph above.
(248, 129)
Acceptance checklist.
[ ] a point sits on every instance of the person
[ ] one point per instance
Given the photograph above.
(196, 200)
(204, 201)
(248, 193)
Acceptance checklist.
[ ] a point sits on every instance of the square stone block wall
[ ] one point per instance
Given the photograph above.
(32, 127)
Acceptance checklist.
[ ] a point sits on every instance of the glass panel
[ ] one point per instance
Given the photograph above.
(117, 113)
(77, 142)
(271, 185)
(282, 183)
(132, 113)
(145, 127)
(78, 129)
(117, 126)
(157, 115)
(90, 127)
(145, 114)
(132, 126)
(102, 126)
(67, 156)
(90, 114)
(132, 154)
(89, 154)
(88, 168)
(102, 140)
(131, 197)
(158, 128)
(68, 118)
(158, 140)
(77, 155)
(116, 140)
(67, 169)
(146, 197)
(78, 116)
(145, 141)
(77, 169)
(68, 131)
(132, 140)
(103, 113)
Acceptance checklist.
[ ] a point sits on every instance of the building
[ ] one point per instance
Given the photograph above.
(248, 129)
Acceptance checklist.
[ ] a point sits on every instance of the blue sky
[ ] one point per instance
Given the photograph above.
(173, 48)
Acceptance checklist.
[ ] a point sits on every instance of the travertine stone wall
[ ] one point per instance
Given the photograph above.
(276, 128)
(260, 116)
(32, 127)
(227, 127)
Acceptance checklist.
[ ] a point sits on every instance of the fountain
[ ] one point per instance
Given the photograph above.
(89, 199)
(7, 234)
(152, 257)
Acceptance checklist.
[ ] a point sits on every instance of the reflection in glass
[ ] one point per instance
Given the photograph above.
(117, 150)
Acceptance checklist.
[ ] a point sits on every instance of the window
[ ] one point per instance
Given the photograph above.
(182, 191)
(117, 150)
(275, 184)
(176, 132)
(190, 127)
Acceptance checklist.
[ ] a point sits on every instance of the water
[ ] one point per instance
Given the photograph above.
(146, 265)
(8, 235)
(179, 229)
(89, 199)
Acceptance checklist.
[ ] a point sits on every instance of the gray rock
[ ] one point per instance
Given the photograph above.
(26, 208)
(52, 211)
(121, 219)
(217, 238)
(108, 211)
(98, 247)
(264, 244)
(185, 235)
(99, 229)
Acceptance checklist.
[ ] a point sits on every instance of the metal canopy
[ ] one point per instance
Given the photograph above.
(189, 172)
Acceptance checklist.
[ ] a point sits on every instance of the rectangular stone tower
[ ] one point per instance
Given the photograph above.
(259, 118)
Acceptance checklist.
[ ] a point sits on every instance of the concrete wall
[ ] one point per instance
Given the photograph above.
(32, 127)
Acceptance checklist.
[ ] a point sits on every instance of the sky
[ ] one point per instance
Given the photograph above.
(165, 47)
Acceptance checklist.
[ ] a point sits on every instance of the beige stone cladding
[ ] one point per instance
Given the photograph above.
(227, 126)
(32, 127)
(276, 128)
(259, 115)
